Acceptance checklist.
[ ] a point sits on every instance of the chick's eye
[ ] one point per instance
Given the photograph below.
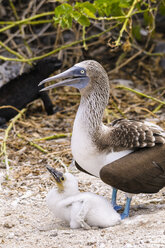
(82, 71)
(62, 178)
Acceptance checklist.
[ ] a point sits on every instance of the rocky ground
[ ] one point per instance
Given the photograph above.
(26, 221)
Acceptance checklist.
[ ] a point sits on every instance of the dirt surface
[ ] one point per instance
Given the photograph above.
(26, 221)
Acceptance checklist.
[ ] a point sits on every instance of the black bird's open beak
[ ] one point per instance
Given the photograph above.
(56, 174)
(75, 77)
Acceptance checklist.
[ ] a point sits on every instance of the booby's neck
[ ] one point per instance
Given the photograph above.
(87, 130)
(90, 112)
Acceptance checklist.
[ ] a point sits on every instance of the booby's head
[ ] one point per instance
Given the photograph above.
(66, 182)
(83, 76)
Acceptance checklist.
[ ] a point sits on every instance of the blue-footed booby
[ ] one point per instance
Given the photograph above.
(129, 155)
(79, 209)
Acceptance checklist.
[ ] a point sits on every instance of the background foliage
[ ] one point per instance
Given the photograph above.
(125, 19)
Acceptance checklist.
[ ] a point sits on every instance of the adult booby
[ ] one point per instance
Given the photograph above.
(79, 209)
(128, 155)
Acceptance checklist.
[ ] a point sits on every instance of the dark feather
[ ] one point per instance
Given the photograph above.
(24, 89)
(131, 134)
(142, 171)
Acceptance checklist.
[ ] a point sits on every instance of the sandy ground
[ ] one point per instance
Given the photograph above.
(26, 222)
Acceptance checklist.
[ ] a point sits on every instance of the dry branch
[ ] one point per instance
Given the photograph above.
(32, 143)
(56, 136)
(3, 145)
(140, 94)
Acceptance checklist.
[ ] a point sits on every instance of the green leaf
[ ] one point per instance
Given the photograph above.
(102, 6)
(114, 11)
(86, 8)
(162, 9)
(84, 21)
(125, 3)
(68, 22)
(136, 32)
(76, 15)
(148, 18)
(89, 6)
(63, 15)
(89, 13)
(63, 10)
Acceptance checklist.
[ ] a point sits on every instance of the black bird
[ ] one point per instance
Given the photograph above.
(24, 89)
(128, 155)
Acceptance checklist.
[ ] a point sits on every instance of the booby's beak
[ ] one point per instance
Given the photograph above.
(58, 176)
(75, 77)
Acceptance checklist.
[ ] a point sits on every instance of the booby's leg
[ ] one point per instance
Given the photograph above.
(125, 214)
(113, 200)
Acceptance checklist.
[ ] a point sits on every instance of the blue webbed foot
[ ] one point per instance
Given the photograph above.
(117, 207)
(125, 214)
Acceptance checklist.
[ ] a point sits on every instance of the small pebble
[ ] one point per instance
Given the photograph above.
(101, 245)
(55, 234)
(8, 213)
(128, 246)
(8, 225)
(10, 235)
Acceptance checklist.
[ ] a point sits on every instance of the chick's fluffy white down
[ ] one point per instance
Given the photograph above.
(81, 209)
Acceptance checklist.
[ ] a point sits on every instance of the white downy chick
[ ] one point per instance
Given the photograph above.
(79, 209)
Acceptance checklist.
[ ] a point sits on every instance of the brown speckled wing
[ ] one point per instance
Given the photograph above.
(131, 134)
(142, 171)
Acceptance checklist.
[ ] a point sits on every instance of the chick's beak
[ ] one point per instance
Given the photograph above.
(56, 174)
(72, 78)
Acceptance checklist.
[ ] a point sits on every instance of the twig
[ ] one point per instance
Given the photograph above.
(83, 36)
(11, 51)
(3, 145)
(25, 21)
(139, 93)
(125, 62)
(9, 106)
(20, 28)
(60, 48)
(32, 143)
(117, 43)
(122, 17)
(56, 136)
(14, 9)
(62, 163)
(29, 23)
(157, 108)
(146, 52)
(148, 111)
(117, 108)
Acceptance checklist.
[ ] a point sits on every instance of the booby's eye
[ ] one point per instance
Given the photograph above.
(62, 178)
(82, 71)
